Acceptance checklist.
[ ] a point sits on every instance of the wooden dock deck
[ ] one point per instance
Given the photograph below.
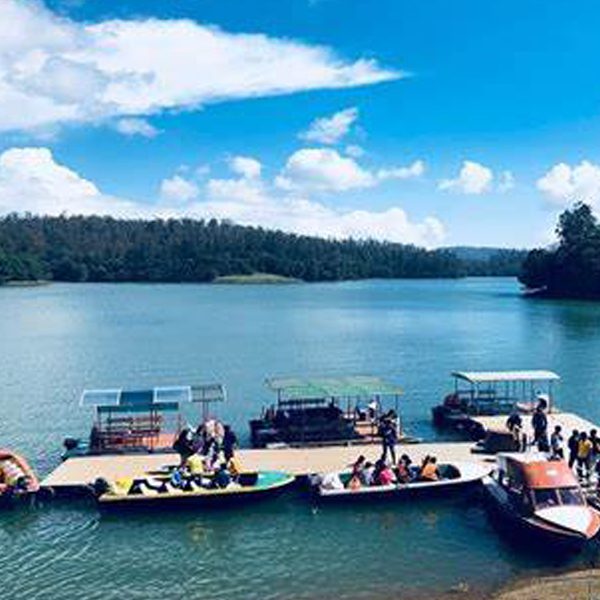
(79, 472)
(568, 422)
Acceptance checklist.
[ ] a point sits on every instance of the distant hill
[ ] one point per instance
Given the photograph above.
(490, 261)
(185, 250)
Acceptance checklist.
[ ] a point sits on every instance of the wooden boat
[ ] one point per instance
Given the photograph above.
(17, 479)
(453, 477)
(542, 500)
(158, 492)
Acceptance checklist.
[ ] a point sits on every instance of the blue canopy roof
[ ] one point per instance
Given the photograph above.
(158, 398)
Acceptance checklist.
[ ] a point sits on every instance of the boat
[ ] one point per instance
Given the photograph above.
(542, 500)
(491, 393)
(17, 479)
(140, 420)
(456, 476)
(326, 411)
(156, 492)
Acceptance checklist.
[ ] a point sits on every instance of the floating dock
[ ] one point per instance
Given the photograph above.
(77, 473)
(568, 422)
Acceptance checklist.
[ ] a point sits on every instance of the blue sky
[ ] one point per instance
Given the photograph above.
(457, 123)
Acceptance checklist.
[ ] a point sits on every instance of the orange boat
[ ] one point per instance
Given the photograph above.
(542, 499)
(17, 479)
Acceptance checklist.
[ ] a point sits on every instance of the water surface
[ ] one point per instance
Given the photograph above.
(60, 339)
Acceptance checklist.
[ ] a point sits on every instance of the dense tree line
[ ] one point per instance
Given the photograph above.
(107, 249)
(570, 269)
(486, 262)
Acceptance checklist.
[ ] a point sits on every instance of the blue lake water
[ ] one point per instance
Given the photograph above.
(58, 340)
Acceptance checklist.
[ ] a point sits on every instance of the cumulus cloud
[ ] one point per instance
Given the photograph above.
(354, 151)
(31, 180)
(330, 130)
(247, 167)
(473, 178)
(325, 170)
(135, 126)
(56, 70)
(506, 181)
(563, 183)
(178, 189)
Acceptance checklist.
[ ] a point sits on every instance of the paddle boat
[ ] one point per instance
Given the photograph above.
(158, 492)
(491, 393)
(17, 479)
(456, 476)
(543, 500)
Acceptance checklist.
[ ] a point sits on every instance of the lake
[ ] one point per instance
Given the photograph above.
(59, 339)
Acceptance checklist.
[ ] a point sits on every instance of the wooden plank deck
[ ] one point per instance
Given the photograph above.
(81, 471)
(568, 422)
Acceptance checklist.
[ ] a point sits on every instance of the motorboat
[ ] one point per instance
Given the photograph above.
(454, 476)
(17, 479)
(159, 492)
(543, 499)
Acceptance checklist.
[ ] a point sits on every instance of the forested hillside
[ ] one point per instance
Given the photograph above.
(106, 249)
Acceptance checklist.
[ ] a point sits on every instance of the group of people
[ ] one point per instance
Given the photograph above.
(366, 474)
(208, 450)
(583, 448)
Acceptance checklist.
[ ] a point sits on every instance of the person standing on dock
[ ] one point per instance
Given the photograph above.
(573, 445)
(556, 442)
(389, 438)
(539, 423)
(230, 442)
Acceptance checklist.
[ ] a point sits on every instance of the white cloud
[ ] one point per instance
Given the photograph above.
(325, 170)
(56, 70)
(473, 178)
(32, 181)
(136, 126)
(247, 167)
(354, 151)
(416, 169)
(178, 189)
(564, 183)
(322, 170)
(330, 130)
(506, 181)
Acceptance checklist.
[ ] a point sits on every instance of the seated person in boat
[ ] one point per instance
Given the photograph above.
(183, 445)
(234, 467)
(429, 469)
(383, 474)
(403, 469)
(222, 478)
(357, 476)
(367, 473)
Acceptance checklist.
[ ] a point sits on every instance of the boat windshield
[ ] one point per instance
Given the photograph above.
(547, 498)
(571, 496)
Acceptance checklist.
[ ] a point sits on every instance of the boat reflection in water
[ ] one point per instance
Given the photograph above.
(543, 500)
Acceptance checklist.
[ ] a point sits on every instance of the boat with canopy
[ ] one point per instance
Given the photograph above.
(487, 393)
(326, 410)
(543, 500)
(142, 420)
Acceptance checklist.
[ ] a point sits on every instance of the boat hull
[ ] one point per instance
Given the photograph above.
(534, 532)
(180, 500)
(470, 479)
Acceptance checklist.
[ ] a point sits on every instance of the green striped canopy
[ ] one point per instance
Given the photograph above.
(303, 388)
